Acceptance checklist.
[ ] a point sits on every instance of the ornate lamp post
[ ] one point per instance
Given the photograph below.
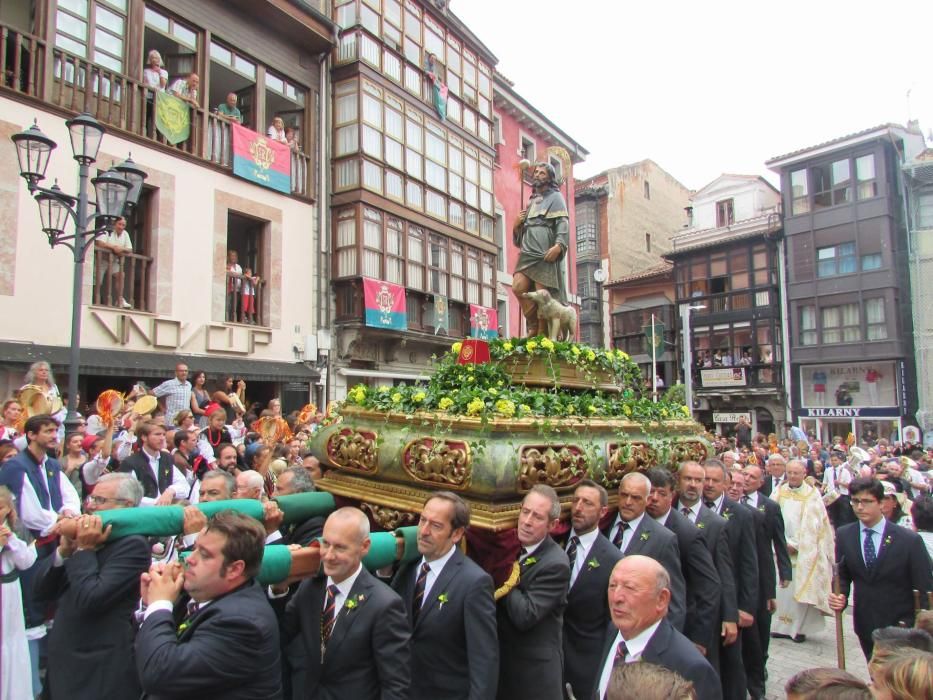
(114, 191)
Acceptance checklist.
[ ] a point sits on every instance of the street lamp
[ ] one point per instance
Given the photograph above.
(114, 190)
(688, 368)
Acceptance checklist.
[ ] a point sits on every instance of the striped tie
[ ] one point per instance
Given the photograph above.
(329, 617)
(621, 653)
(617, 540)
(419, 590)
(572, 550)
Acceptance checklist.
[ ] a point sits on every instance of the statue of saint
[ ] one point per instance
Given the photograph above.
(542, 233)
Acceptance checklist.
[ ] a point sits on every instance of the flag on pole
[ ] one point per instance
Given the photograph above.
(655, 340)
(440, 319)
(385, 304)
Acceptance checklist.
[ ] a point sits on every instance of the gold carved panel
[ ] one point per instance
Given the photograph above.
(558, 466)
(628, 457)
(443, 462)
(354, 450)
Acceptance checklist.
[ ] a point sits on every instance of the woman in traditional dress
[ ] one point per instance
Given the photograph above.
(12, 411)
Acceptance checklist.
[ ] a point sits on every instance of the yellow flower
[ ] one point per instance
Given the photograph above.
(627, 410)
(525, 408)
(622, 354)
(531, 345)
(493, 391)
(475, 407)
(590, 355)
(507, 346)
(548, 344)
(358, 394)
(419, 397)
(455, 348)
(686, 411)
(470, 368)
(591, 408)
(384, 388)
(575, 350)
(571, 410)
(396, 397)
(445, 403)
(505, 407)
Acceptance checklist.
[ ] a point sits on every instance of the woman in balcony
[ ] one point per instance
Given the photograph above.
(155, 77)
(276, 132)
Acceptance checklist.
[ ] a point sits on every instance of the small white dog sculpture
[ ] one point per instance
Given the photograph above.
(561, 320)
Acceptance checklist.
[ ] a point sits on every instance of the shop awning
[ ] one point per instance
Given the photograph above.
(143, 365)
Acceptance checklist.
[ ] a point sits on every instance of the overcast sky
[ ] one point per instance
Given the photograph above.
(704, 88)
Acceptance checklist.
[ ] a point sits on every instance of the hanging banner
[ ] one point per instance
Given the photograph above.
(172, 118)
(261, 160)
(440, 319)
(385, 305)
(484, 322)
(655, 344)
(473, 352)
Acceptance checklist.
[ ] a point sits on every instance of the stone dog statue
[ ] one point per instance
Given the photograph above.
(561, 320)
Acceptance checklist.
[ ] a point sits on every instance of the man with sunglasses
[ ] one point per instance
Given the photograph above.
(95, 586)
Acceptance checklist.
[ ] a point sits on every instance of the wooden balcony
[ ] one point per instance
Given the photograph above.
(135, 270)
(245, 300)
(123, 104)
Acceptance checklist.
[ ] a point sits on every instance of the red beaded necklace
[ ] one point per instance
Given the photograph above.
(210, 436)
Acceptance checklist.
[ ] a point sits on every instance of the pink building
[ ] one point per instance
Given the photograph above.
(521, 131)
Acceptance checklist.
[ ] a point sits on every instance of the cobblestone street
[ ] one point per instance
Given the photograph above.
(787, 658)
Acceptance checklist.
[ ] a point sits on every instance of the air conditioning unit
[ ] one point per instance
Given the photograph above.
(324, 339)
(310, 352)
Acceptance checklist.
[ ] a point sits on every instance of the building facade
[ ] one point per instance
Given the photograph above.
(412, 203)
(727, 270)
(629, 214)
(522, 132)
(848, 287)
(178, 300)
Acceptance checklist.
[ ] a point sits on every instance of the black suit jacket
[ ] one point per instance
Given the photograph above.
(454, 645)
(96, 593)
(771, 544)
(530, 621)
(138, 464)
(740, 533)
(303, 533)
(368, 655)
(653, 540)
(713, 530)
(701, 579)
(585, 617)
(883, 596)
(227, 650)
(672, 650)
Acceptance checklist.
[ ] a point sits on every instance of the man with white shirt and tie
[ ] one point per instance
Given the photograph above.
(449, 598)
(883, 561)
(227, 646)
(591, 558)
(633, 532)
(775, 466)
(354, 627)
(836, 478)
(155, 469)
(639, 593)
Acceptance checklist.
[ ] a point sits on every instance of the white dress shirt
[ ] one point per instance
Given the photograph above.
(583, 550)
(629, 531)
(694, 512)
(878, 530)
(343, 590)
(717, 504)
(636, 647)
(179, 483)
(751, 499)
(33, 515)
(530, 549)
(434, 570)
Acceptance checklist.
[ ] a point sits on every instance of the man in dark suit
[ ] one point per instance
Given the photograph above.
(355, 628)
(740, 533)
(776, 467)
(155, 469)
(291, 481)
(591, 558)
(696, 562)
(228, 644)
(773, 547)
(95, 586)
(639, 592)
(454, 647)
(712, 529)
(530, 615)
(752, 653)
(884, 562)
(635, 533)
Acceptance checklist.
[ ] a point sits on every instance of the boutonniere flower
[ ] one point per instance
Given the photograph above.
(441, 599)
(352, 603)
(727, 514)
(645, 536)
(183, 626)
(592, 564)
(529, 561)
(888, 540)
(761, 508)
(700, 526)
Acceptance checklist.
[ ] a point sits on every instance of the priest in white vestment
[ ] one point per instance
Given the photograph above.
(811, 545)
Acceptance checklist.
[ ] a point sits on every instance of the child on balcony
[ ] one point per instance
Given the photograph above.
(249, 295)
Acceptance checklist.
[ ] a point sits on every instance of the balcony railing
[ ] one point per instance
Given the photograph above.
(132, 270)
(245, 300)
(349, 308)
(117, 101)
